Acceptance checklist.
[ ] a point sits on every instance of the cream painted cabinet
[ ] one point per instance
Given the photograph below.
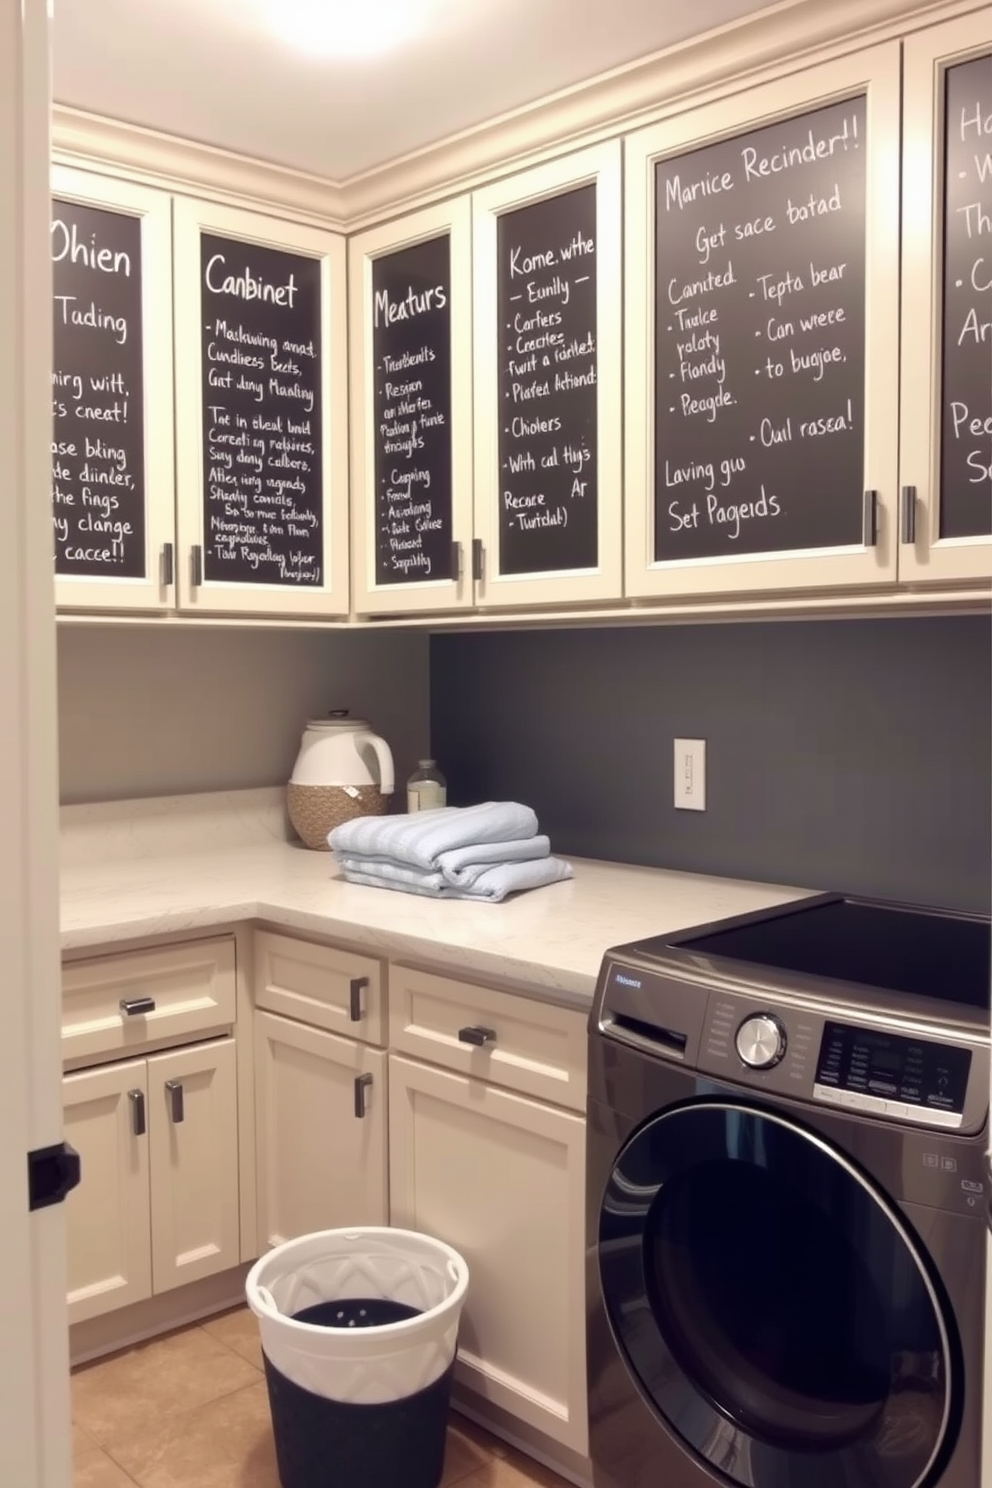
(158, 1202)
(501, 1177)
(113, 493)
(547, 334)
(410, 287)
(762, 337)
(320, 1107)
(946, 388)
(193, 1147)
(261, 414)
(108, 1217)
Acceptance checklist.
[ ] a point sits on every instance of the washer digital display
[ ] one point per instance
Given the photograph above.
(872, 1062)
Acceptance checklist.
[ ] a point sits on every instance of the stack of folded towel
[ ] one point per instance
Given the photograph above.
(458, 852)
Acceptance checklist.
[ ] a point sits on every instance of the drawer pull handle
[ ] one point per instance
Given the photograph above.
(355, 998)
(177, 1105)
(362, 1084)
(477, 1036)
(133, 1007)
(137, 1099)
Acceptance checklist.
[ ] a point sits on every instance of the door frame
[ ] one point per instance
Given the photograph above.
(35, 1440)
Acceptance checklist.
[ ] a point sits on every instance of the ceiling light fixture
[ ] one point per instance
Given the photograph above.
(345, 28)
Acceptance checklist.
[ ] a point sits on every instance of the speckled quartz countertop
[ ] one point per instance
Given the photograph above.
(149, 868)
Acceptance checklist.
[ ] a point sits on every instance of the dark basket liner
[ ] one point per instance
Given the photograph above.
(336, 1444)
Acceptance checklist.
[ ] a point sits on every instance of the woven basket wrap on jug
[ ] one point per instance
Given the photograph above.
(315, 810)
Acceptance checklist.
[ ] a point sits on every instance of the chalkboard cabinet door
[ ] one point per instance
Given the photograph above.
(410, 288)
(945, 528)
(112, 427)
(261, 414)
(762, 321)
(547, 264)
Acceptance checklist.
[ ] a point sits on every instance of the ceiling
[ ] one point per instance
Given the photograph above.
(212, 71)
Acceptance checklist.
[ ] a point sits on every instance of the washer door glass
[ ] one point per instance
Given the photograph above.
(771, 1303)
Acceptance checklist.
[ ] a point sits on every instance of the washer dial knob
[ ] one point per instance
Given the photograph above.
(761, 1041)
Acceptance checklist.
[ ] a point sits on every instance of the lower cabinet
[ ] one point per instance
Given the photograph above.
(320, 1114)
(158, 1204)
(501, 1177)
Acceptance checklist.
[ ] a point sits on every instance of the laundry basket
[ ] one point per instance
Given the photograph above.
(359, 1330)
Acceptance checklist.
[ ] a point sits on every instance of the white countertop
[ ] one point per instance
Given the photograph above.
(138, 869)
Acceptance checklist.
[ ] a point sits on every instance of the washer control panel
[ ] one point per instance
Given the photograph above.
(855, 1066)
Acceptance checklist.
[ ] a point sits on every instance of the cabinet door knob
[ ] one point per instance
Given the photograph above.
(362, 1085)
(177, 1108)
(137, 1099)
(133, 1007)
(477, 1036)
(355, 998)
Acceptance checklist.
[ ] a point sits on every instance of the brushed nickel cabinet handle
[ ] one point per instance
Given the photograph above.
(355, 998)
(137, 1099)
(177, 1108)
(480, 1037)
(909, 514)
(133, 1007)
(363, 1083)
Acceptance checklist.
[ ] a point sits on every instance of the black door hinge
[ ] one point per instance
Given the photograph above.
(53, 1172)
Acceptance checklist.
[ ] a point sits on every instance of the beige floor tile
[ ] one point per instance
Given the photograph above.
(94, 1469)
(154, 1382)
(513, 1471)
(225, 1444)
(81, 1441)
(465, 1452)
(239, 1331)
(492, 1445)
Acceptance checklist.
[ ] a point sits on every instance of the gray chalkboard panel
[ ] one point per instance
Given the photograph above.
(98, 429)
(547, 377)
(760, 340)
(411, 350)
(966, 434)
(261, 349)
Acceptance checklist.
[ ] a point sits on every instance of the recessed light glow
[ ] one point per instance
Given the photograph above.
(346, 28)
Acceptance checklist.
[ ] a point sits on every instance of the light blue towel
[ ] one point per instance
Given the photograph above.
(490, 884)
(419, 840)
(457, 869)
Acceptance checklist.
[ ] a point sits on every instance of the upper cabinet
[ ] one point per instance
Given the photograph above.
(112, 437)
(762, 320)
(261, 421)
(410, 286)
(548, 378)
(946, 439)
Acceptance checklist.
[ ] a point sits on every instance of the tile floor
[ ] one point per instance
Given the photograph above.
(190, 1410)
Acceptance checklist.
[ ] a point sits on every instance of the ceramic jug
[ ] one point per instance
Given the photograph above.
(343, 770)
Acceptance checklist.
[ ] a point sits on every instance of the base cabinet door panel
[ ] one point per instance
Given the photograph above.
(193, 1135)
(501, 1177)
(107, 1216)
(320, 1109)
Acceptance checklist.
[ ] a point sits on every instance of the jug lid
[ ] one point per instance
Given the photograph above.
(338, 718)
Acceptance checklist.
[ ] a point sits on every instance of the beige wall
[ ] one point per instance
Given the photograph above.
(152, 713)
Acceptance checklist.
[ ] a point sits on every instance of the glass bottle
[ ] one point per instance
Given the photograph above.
(427, 788)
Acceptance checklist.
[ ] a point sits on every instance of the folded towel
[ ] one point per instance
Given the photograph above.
(491, 884)
(419, 839)
(458, 869)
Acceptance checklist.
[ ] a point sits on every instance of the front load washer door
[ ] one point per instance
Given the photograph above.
(772, 1305)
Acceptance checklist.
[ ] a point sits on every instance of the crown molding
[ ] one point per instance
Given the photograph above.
(790, 35)
(109, 146)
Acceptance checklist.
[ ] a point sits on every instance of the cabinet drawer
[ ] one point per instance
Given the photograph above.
(176, 992)
(320, 985)
(529, 1046)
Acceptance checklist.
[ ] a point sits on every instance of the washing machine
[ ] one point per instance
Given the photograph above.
(787, 1198)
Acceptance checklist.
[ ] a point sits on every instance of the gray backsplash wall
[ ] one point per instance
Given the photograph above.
(145, 712)
(840, 754)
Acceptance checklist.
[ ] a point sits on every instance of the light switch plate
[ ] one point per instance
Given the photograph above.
(690, 774)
